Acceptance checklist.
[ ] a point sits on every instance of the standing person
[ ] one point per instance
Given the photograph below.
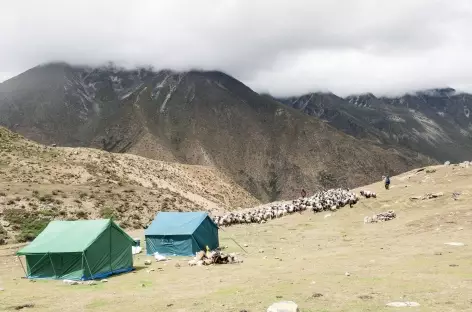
(303, 193)
(387, 182)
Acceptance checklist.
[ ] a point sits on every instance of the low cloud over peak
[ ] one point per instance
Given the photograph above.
(280, 47)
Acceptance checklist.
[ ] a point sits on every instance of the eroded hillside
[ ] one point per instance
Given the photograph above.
(39, 183)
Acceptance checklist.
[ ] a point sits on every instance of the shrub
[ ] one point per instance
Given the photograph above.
(107, 213)
(30, 224)
(81, 215)
(46, 198)
(3, 235)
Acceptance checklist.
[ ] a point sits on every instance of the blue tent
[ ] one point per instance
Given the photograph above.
(181, 233)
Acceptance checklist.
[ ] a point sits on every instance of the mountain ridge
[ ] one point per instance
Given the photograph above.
(194, 117)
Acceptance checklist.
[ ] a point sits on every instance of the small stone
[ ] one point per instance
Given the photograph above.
(403, 304)
(284, 306)
(169, 305)
(104, 281)
(454, 244)
(246, 245)
(148, 262)
(70, 282)
(261, 250)
(316, 295)
(347, 274)
(365, 297)
(453, 265)
(279, 297)
(177, 265)
(438, 253)
(1, 289)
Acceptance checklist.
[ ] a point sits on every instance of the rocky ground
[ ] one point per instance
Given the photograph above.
(39, 183)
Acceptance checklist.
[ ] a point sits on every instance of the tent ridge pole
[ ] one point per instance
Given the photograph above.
(109, 228)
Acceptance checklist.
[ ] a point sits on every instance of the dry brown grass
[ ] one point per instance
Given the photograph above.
(401, 259)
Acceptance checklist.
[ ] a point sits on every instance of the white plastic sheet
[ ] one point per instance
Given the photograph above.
(159, 257)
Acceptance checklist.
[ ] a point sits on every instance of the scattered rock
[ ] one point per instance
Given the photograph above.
(453, 265)
(148, 262)
(90, 283)
(279, 297)
(327, 215)
(284, 306)
(70, 282)
(347, 274)
(438, 253)
(261, 250)
(150, 270)
(22, 306)
(454, 244)
(177, 265)
(316, 295)
(246, 245)
(104, 281)
(365, 297)
(170, 305)
(1, 289)
(403, 304)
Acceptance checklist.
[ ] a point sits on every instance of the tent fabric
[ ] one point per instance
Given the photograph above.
(66, 236)
(95, 249)
(181, 233)
(175, 223)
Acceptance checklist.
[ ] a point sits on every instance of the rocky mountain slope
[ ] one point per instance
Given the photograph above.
(200, 118)
(435, 123)
(39, 183)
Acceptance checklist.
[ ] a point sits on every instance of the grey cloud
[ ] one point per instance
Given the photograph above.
(285, 47)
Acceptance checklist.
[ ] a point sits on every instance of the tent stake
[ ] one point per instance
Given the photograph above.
(26, 274)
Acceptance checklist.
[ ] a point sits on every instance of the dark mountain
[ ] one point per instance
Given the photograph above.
(205, 118)
(435, 122)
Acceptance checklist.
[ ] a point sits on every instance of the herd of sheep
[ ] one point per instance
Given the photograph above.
(325, 200)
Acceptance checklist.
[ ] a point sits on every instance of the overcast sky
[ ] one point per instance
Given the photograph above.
(281, 47)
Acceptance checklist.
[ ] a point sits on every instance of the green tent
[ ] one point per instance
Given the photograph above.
(79, 250)
(181, 233)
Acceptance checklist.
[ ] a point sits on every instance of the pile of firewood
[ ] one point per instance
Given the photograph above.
(381, 217)
(213, 257)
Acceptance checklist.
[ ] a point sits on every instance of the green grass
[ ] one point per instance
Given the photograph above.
(30, 224)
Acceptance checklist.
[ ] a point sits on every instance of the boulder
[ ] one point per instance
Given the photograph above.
(284, 306)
